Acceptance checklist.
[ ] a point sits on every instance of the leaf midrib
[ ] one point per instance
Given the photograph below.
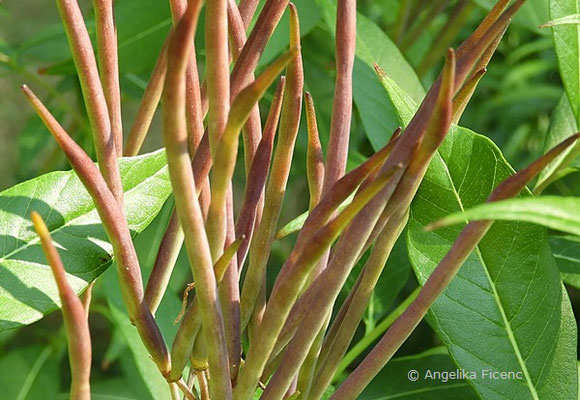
(507, 326)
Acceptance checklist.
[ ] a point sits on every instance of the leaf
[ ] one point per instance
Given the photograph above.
(373, 46)
(567, 20)
(34, 373)
(559, 213)
(562, 126)
(566, 250)
(389, 285)
(567, 44)
(393, 381)
(27, 288)
(508, 294)
(111, 389)
(140, 37)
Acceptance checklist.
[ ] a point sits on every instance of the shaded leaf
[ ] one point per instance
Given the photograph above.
(34, 373)
(393, 382)
(566, 250)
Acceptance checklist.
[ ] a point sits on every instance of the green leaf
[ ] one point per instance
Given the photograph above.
(566, 250)
(562, 126)
(567, 20)
(389, 285)
(508, 294)
(567, 44)
(560, 213)
(375, 107)
(393, 381)
(27, 288)
(140, 36)
(34, 373)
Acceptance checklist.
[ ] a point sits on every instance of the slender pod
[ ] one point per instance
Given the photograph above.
(258, 174)
(109, 66)
(191, 323)
(194, 108)
(262, 239)
(253, 128)
(75, 320)
(351, 243)
(218, 69)
(224, 160)
(314, 157)
(319, 215)
(256, 43)
(439, 280)
(337, 154)
(247, 10)
(118, 233)
(343, 329)
(173, 238)
(96, 104)
(288, 284)
(229, 292)
(186, 202)
(148, 105)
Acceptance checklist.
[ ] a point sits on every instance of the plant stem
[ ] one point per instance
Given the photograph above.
(343, 330)
(342, 106)
(275, 190)
(109, 66)
(75, 317)
(148, 105)
(186, 202)
(117, 230)
(86, 66)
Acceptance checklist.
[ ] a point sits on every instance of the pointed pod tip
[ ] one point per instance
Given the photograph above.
(39, 225)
